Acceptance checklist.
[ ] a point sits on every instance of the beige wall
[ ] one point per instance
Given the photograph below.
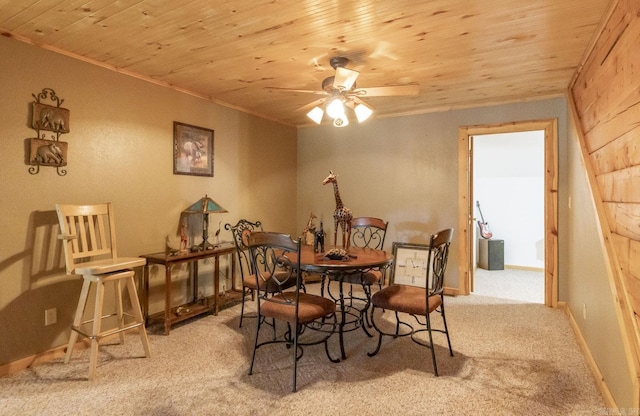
(402, 169)
(587, 281)
(120, 150)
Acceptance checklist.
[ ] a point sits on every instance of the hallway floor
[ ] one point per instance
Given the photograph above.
(513, 284)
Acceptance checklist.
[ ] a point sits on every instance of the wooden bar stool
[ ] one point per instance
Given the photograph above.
(90, 250)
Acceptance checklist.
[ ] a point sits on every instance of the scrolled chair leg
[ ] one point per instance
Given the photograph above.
(395, 334)
(326, 340)
(375, 352)
(326, 349)
(244, 294)
(446, 329)
(255, 345)
(373, 322)
(367, 307)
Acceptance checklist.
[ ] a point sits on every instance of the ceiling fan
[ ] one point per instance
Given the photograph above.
(340, 91)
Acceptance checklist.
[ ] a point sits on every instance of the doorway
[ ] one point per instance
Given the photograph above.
(508, 189)
(467, 204)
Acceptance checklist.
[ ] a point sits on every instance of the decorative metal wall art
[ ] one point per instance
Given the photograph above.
(49, 121)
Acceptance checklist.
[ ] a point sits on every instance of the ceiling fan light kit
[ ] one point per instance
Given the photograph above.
(341, 91)
(335, 108)
(316, 114)
(363, 112)
(341, 121)
(345, 79)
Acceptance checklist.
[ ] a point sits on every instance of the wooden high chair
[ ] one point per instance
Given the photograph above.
(89, 238)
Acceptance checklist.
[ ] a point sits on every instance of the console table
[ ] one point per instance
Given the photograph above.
(195, 306)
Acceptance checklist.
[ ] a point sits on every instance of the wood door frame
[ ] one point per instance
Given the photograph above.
(466, 207)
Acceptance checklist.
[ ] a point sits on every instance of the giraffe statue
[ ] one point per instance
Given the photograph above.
(309, 231)
(341, 216)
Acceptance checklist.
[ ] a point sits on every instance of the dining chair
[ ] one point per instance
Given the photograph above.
(276, 263)
(418, 301)
(89, 240)
(366, 232)
(240, 232)
(370, 232)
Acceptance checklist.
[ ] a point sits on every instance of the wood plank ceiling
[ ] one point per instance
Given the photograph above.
(461, 53)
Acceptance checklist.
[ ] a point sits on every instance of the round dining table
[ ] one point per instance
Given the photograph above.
(358, 260)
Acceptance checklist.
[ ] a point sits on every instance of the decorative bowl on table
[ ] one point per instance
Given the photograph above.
(337, 254)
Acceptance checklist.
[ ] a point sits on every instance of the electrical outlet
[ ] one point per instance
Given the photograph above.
(584, 311)
(50, 316)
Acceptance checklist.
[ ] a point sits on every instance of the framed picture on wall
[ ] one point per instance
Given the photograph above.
(410, 264)
(192, 150)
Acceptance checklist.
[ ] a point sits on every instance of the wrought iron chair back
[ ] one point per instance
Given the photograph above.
(240, 232)
(271, 256)
(368, 232)
(438, 256)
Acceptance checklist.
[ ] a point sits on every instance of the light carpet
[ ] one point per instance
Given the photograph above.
(514, 284)
(510, 358)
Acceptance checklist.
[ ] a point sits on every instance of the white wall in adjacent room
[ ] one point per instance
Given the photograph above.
(509, 184)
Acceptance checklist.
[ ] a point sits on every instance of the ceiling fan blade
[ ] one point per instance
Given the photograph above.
(362, 110)
(357, 100)
(344, 78)
(409, 89)
(309, 106)
(296, 90)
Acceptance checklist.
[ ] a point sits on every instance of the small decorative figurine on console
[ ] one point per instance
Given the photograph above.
(218, 234)
(318, 240)
(168, 249)
(342, 215)
(309, 232)
(184, 240)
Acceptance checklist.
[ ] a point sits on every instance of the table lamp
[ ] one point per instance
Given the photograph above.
(204, 206)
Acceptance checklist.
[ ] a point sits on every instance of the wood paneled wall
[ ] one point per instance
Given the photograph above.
(606, 103)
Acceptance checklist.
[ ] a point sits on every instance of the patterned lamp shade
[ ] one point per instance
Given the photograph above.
(204, 205)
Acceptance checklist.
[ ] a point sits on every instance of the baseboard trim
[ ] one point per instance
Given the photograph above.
(531, 269)
(40, 358)
(595, 371)
(32, 361)
(451, 291)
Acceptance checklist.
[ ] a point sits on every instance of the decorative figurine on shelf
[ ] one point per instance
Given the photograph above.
(318, 241)
(169, 251)
(342, 215)
(218, 234)
(309, 232)
(184, 240)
